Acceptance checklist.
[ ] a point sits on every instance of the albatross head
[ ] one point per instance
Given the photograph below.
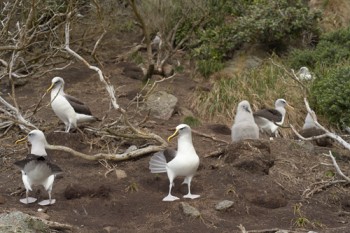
(57, 83)
(38, 141)
(282, 103)
(245, 106)
(181, 129)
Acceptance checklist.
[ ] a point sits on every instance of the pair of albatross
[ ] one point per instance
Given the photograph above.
(183, 162)
(67, 108)
(36, 168)
(247, 123)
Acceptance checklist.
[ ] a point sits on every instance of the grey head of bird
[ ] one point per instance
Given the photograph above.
(180, 130)
(245, 106)
(37, 140)
(57, 83)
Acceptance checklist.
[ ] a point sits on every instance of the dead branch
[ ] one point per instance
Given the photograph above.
(293, 76)
(113, 157)
(327, 133)
(103, 79)
(216, 153)
(319, 186)
(145, 31)
(243, 230)
(209, 136)
(335, 164)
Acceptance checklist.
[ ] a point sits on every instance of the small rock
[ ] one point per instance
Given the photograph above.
(21, 222)
(2, 199)
(224, 205)
(42, 215)
(189, 210)
(161, 104)
(121, 174)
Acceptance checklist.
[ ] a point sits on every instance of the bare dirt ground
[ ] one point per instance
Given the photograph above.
(274, 184)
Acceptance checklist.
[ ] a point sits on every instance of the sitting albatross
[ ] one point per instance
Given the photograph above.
(244, 126)
(183, 162)
(69, 109)
(269, 120)
(36, 169)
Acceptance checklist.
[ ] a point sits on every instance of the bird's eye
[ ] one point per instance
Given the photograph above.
(31, 134)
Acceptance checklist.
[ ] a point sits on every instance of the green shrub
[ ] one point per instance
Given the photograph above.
(332, 48)
(331, 95)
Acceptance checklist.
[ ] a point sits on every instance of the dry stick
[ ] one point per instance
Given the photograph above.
(292, 75)
(337, 166)
(113, 157)
(209, 136)
(327, 132)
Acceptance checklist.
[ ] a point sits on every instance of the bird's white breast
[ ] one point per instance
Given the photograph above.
(63, 109)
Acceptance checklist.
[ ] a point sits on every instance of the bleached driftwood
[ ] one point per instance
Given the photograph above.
(327, 133)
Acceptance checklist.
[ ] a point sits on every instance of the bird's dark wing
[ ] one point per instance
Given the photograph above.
(78, 106)
(54, 168)
(269, 114)
(169, 154)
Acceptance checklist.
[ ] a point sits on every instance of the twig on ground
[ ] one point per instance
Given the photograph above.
(215, 153)
(209, 136)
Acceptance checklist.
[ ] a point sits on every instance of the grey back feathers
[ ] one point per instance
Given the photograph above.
(244, 126)
(78, 106)
(158, 161)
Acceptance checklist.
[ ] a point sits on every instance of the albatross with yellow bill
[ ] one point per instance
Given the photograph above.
(269, 119)
(36, 169)
(183, 162)
(68, 109)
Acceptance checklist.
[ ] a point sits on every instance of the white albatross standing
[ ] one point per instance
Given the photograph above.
(183, 162)
(244, 126)
(36, 169)
(269, 120)
(68, 109)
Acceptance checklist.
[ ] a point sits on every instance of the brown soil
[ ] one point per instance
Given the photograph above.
(266, 180)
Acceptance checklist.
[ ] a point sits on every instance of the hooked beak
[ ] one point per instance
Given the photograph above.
(49, 89)
(21, 140)
(173, 135)
(246, 108)
(288, 106)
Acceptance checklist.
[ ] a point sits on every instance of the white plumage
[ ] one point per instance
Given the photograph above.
(67, 108)
(36, 169)
(304, 74)
(269, 120)
(309, 122)
(244, 126)
(183, 162)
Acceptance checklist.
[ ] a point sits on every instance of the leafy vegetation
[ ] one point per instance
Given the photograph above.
(333, 48)
(331, 95)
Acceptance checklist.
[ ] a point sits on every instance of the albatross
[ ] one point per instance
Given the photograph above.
(36, 169)
(269, 120)
(68, 109)
(183, 162)
(244, 126)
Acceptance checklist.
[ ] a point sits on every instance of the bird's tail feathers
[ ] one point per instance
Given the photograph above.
(158, 163)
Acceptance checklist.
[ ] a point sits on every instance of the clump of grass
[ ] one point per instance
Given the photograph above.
(192, 121)
(132, 187)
